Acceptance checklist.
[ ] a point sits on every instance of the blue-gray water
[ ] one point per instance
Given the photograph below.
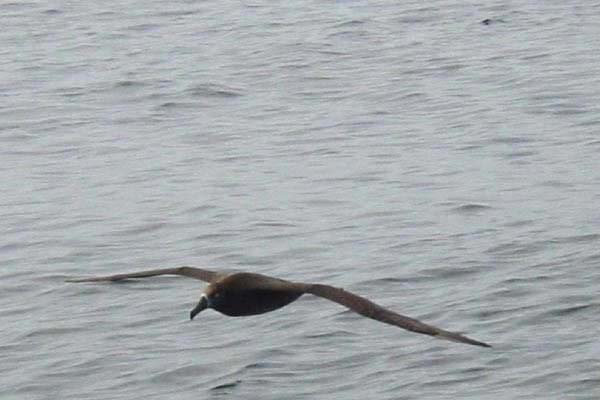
(445, 168)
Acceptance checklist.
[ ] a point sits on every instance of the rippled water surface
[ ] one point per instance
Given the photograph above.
(443, 167)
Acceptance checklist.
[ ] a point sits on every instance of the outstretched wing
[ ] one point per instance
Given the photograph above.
(374, 311)
(190, 272)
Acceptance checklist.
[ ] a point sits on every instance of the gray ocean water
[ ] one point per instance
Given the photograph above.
(443, 167)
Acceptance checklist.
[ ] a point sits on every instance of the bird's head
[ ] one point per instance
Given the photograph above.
(210, 298)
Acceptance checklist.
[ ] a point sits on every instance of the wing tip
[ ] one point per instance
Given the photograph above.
(455, 337)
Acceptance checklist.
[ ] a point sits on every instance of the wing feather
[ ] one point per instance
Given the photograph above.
(190, 272)
(374, 311)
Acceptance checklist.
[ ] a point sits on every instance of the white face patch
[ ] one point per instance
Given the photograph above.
(208, 302)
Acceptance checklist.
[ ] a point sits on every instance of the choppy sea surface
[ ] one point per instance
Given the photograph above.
(439, 158)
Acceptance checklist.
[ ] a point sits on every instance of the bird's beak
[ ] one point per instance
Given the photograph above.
(202, 304)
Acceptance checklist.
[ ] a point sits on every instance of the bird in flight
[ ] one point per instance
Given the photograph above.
(243, 293)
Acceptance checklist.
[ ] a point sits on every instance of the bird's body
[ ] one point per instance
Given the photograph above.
(244, 293)
(235, 298)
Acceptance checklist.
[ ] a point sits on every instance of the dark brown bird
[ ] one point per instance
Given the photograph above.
(243, 293)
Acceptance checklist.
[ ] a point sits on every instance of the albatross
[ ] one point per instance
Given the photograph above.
(241, 294)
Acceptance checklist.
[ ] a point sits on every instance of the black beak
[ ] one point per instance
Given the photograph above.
(202, 304)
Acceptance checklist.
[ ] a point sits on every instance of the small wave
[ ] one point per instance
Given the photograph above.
(128, 84)
(577, 238)
(226, 386)
(511, 140)
(273, 224)
(52, 332)
(446, 273)
(352, 22)
(517, 248)
(520, 154)
(493, 20)
(179, 373)
(561, 312)
(214, 90)
(261, 365)
(143, 27)
(173, 104)
(331, 334)
(145, 228)
(379, 281)
(471, 208)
